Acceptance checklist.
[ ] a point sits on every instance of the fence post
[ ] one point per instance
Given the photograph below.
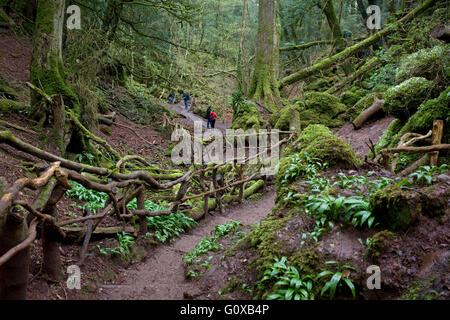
(143, 229)
(438, 129)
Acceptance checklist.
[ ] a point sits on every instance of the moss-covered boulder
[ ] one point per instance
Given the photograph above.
(308, 135)
(430, 63)
(422, 120)
(289, 118)
(324, 104)
(334, 151)
(402, 100)
(319, 142)
(394, 208)
(246, 116)
(350, 97)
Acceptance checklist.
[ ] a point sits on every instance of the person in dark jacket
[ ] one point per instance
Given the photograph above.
(186, 99)
(208, 117)
(171, 97)
(213, 118)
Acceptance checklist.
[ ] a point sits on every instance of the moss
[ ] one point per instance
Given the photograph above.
(402, 100)
(394, 208)
(324, 104)
(388, 134)
(246, 116)
(350, 97)
(7, 106)
(422, 120)
(430, 63)
(422, 289)
(309, 134)
(263, 238)
(106, 130)
(289, 118)
(321, 83)
(232, 285)
(380, 241)
(334, 151)
(7, 92)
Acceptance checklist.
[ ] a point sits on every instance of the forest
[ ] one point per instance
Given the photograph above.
(224, 150)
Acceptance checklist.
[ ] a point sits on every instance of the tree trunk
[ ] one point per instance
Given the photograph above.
(47, 69)
(14, 273)
(242, 83)
(264, 84)
(333, 23)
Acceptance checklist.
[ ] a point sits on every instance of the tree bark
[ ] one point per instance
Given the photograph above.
(47, 70)
(264, 84)
(368, 113)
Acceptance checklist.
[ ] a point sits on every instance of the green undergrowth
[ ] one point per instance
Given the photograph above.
(197, 261)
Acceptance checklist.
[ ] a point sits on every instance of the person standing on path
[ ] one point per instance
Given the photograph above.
(171, 97)
(208, 117)
(213, 118)
(186, 99)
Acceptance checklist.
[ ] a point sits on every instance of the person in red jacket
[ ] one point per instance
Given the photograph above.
(213, 116)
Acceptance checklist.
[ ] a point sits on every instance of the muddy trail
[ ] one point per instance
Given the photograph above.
(192, 117)
(161, 275)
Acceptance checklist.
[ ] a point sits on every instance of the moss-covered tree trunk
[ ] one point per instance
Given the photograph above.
(242, 82)
(333, 22)
(48, 73)
(264, 84)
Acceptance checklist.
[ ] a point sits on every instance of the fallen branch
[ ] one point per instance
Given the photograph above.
(368, 113)
(306, 45)
(437, 147)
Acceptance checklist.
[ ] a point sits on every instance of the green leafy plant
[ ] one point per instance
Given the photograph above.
(125, 241)
(338, 278)
(208, 244)
(424, 174)
(289, 284)
(94, 199)
(167, 226)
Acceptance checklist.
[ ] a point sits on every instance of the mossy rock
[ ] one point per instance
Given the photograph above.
(246, 116)
(334, 151)
(430, 63)
(309, 134)
(394, 208)
(324, 104)
(422, 120)
(289, 118)
(403, 100)
(380, 241)
(350, 97)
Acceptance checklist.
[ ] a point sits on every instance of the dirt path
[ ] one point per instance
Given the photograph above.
(188, 114)
(161, 275)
